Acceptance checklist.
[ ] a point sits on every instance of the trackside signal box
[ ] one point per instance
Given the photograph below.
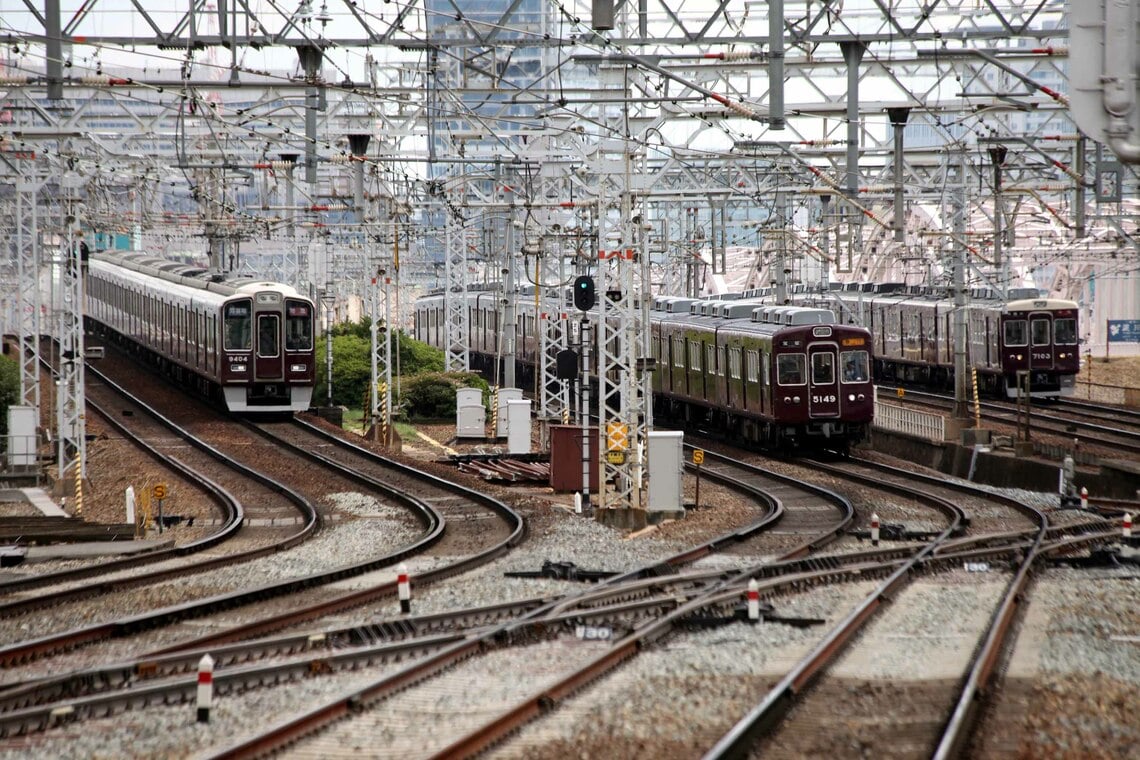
(566, 458)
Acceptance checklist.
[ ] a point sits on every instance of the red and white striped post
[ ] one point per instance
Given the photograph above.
(874, 529)
(1126, 525)
(404, 590)
(205, 687)
(1084, 498)
(753, 601)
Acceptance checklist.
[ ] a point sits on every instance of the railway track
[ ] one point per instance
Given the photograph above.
(1106, 430)
(537, 654)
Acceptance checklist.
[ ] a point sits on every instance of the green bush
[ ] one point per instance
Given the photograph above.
(352, 362)
(9, 389)
(431, 395)
(352, 368)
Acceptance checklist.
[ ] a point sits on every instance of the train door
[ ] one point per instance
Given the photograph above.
(270, 360)
(1041, 339)
(823, 381)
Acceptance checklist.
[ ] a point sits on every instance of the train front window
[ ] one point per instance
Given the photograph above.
(267, 332)
(1065, 332)
(298, 327)
(239, 326)
(1016, 332)
(791, 369)
(1040, 330)
(856, 366)
(822, 369)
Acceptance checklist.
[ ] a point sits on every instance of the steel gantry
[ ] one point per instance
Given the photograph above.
(28, 289)
(202, 137)
(71, 444)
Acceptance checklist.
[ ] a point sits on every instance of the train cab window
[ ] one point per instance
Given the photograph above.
(1040, 331)
(239, 326)
(856, 366)
(791, 369)
(267, 335)
(822, 369)
(1065, 332)
(298, 327)
(1016, 332)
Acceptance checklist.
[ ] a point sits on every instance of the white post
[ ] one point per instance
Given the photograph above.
(130, 498)
(205, 687)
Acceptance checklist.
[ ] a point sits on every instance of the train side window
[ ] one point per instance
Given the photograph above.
(268, 333)
(1016, 332)
(678, 352)
(733, 362)
(1065, 332)
(752, 365)
(298, 327)
(695, 357)
(238, 326)
(1040, 331)
(822, 369)
(710, 358)
(791, 369)
(766, 369)
(856, 366)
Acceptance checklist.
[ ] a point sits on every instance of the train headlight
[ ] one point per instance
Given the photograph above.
(795, 399)
(237, 368)
(298, 367)
(862, 396)
(1020, 357)
(787, 399)
(850, 396)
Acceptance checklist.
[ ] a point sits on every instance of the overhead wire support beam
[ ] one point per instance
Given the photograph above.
(71, 397)
(28, 186)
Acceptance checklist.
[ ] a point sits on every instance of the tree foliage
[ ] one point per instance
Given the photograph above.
(9, 389)
(352, 362)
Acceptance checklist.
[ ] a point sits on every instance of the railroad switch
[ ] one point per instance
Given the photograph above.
(740, 613)
(562, 571)
(896, 532)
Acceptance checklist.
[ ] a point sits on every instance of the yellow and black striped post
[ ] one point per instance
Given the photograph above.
(494, 411)
(78, 487)
(382, 397)
(977, 403)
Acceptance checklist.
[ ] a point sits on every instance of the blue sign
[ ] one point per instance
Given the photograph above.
(1124, 331)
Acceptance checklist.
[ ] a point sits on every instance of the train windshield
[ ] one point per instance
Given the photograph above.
(856, 366)
(298, 326)
(1041, 331)
(822, 369)
(1065, 332)
(239, 326)
(1016, 332)
(790, 369)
